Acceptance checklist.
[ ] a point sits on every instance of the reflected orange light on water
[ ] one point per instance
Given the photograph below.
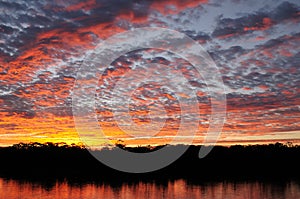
(150, 190)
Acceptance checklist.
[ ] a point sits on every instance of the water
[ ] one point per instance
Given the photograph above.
(23, 189)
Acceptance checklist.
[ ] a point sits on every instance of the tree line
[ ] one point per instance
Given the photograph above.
(238, 161)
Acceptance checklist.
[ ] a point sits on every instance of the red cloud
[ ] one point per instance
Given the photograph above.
(265, 24)
(165, 6)
(87, 5)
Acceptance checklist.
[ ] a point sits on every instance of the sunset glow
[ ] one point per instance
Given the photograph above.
(256, 48)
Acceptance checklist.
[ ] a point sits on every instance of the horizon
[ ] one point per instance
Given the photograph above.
(287, 142)
(294, 141)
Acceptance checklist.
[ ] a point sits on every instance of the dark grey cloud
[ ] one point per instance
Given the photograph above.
(256, 21)
(198, 36)
(285, 11)
(228, 54)
(13, 104)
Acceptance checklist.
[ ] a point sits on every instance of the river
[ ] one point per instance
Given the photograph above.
(65, 189)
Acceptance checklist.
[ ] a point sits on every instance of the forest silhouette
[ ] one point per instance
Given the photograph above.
(238, 161)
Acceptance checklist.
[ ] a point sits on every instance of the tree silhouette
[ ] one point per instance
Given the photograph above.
(60, 159)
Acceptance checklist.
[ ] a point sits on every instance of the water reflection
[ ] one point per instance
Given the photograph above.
(10, 188)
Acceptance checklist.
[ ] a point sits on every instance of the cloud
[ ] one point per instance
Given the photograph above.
(13, 104)
(259, 21)
(43, 43)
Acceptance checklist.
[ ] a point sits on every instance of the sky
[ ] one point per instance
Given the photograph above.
(254, 44)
